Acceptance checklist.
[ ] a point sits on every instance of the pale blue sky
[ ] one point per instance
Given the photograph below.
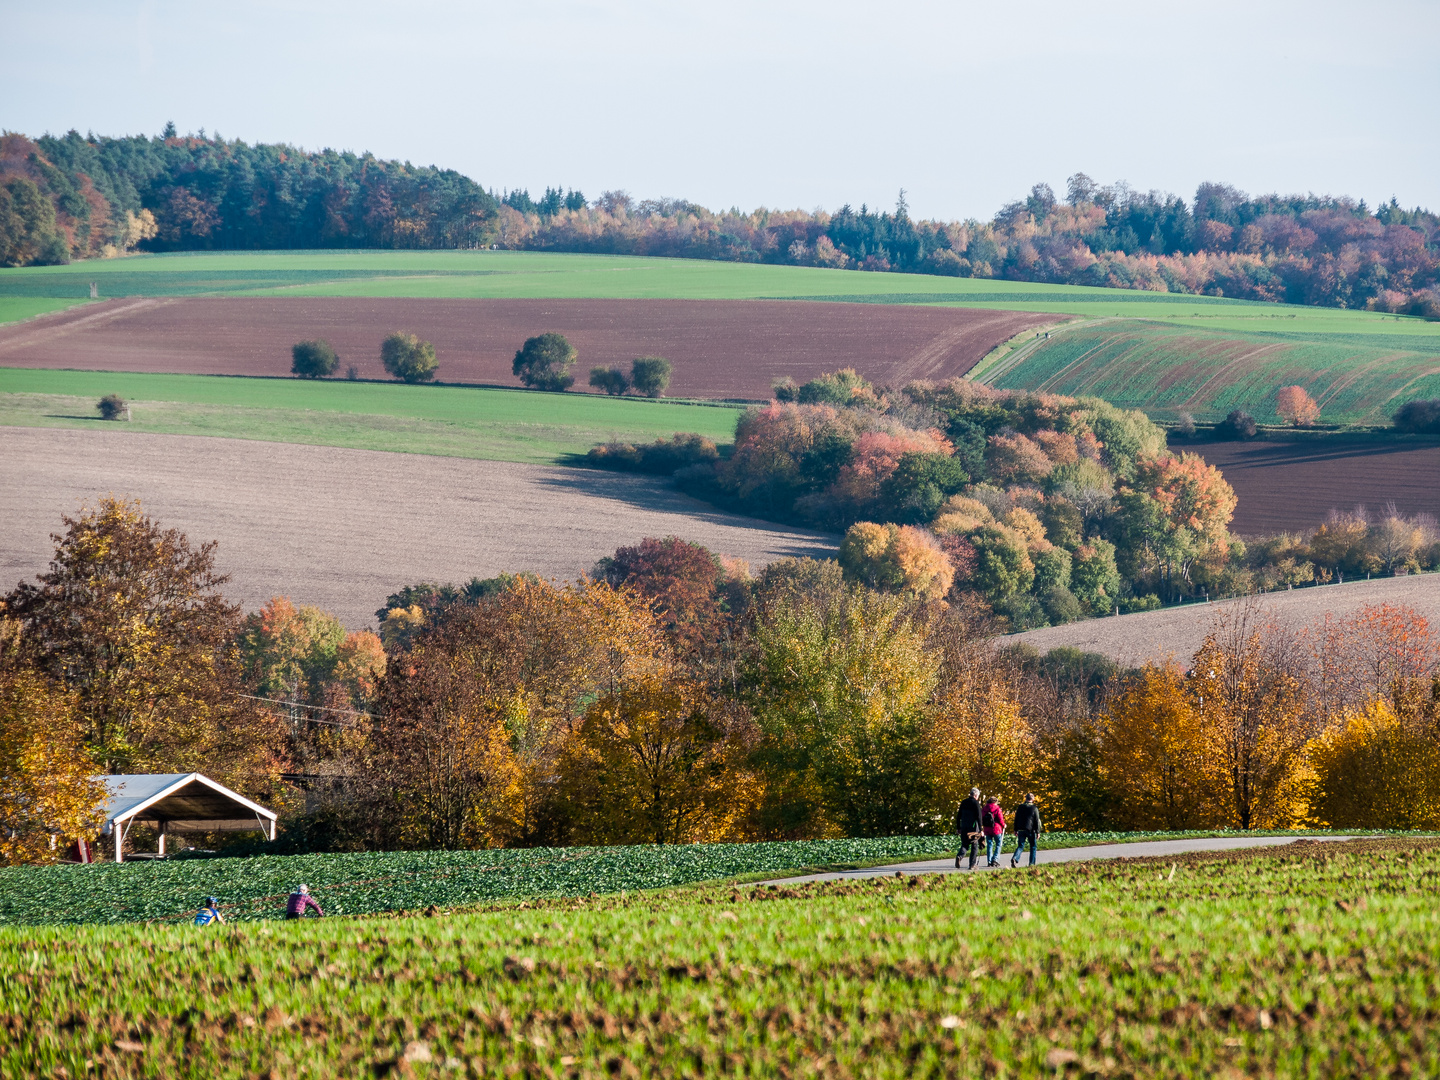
(771, 103)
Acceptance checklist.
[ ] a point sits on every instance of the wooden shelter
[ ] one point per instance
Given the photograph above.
(178, 803)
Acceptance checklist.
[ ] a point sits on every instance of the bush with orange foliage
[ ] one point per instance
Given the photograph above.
(1296, 406)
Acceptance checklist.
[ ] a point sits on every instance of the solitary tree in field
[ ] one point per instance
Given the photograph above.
(406, 357)
(650, 375)
(609, 379)
(543, 362)
(113, 407)
(313, 360)
(1296, 406)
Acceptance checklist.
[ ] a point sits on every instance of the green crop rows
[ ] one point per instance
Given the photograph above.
(1356, 378)
(255, 888)
(1320, 960)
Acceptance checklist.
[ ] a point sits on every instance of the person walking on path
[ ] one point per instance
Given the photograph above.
(1027, 827)
(209, 913)
(301, 899)
(992, 819)
(967, 824)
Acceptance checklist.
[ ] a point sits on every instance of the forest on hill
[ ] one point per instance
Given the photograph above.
(73, 196)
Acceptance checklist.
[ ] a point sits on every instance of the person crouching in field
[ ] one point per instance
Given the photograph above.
(992, 820)
(1027, 827)
(299, 901)
(967, 824)
(209, 913)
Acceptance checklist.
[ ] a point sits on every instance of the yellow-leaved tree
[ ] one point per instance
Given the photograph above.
(653, 763)
(1250, 698)
(1374, 770)
(48, 796)
(975, 731)
(1155, 759)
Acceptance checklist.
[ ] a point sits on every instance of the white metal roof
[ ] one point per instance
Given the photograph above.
(188, 797)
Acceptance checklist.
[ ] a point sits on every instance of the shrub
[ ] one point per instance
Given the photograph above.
(1061, 606)
(611, 380)
(408, 358)
(113, 407)
(834, 388)
(896, 558)
(1239, 424)
(1185, 425)
(650, 375)
(1418, 417)
(660, 458)
(313, 360)
(543, 362)
(1296, 406)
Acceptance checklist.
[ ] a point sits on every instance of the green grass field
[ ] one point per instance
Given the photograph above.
(1356, 378)
(1314, 961)
(452, 421)
(551, 275)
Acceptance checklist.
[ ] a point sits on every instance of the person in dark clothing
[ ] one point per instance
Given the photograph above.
(1027, 826)
(967, 824)
(299, 901)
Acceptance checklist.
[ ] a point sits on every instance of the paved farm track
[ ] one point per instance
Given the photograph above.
(1137, 850)
(342, 528)
(720, 348)
(1294, 485)
(1178, 632)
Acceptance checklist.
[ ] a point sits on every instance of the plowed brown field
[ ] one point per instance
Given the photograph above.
(720, 348)
(1295, 485)
(342, 529)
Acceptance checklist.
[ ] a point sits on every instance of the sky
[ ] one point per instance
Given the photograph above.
(769, 102)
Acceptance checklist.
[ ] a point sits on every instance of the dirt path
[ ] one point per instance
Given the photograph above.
(1138, 850)
(1179, 632)
(342, 529)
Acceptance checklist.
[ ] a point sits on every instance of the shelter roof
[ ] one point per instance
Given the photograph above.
(187, 800)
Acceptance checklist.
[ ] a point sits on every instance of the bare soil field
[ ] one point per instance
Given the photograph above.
(1295, 485)
(1179, 632)
(720, 348)
(342, 529)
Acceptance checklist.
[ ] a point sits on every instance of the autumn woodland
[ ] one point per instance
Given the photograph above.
(674, 697)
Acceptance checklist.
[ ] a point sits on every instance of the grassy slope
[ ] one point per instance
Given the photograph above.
(1260, 963)
(497, 425)
(1357, 361)
(1356, 377)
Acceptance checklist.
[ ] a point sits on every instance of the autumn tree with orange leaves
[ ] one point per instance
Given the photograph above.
(1296, 406)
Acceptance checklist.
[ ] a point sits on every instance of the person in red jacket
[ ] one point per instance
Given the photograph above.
(299, 901)
(992, 820)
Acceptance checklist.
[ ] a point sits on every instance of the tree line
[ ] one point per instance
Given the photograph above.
(75, 196)
(672, 696)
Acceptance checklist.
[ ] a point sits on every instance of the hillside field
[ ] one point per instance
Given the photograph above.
(1312, 960)
(718, 348)
(1160, 351)
(342, 529)
(1176, 633)
(1355, 377)
(545, 275)
(455, 421)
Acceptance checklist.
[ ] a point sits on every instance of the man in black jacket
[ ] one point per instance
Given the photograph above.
(967, 824)
(1027, 825)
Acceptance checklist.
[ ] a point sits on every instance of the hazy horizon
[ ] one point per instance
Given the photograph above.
(781, 105)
